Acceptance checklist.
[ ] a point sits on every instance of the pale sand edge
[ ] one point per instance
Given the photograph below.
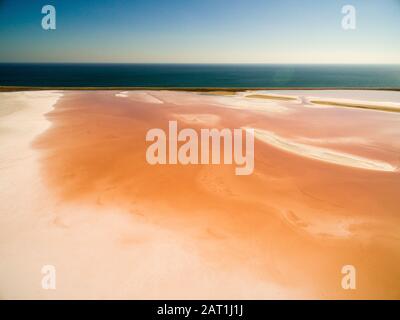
(272, 97)
(381, 106)
(322, 154)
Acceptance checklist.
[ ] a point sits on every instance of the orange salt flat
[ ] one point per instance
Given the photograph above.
(293, 223)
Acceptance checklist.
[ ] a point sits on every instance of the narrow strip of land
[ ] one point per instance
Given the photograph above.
(359, 105)
(271, 97)
(4, 88)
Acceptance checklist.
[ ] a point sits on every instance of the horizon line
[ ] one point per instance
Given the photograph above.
(203, 63)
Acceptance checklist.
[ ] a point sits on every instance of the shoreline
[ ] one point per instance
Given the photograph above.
(322, 154)
(190, 89)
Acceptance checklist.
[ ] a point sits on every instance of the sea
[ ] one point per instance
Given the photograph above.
(199, 75)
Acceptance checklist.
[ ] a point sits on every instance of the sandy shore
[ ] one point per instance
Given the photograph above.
(322, 154)
(390, 107)
(77, 193)
(270, 96)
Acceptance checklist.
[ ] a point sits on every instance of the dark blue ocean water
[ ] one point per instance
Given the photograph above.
(200, 75)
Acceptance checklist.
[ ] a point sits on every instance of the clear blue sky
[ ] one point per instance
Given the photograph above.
(201, 31)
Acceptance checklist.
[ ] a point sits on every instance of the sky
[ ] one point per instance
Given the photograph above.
(201, 31)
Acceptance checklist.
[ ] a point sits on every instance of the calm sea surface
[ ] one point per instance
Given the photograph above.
(200, 75)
